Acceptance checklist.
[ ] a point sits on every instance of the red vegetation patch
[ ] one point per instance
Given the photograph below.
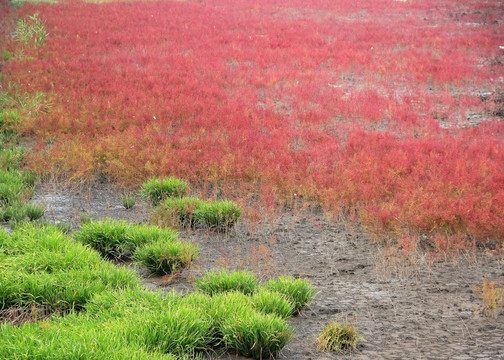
(386, 107)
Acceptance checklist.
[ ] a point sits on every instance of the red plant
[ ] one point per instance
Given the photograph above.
(389, 108)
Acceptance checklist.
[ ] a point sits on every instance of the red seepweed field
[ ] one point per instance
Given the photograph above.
(391, 110)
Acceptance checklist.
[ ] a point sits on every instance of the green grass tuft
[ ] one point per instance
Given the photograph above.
(118, 239)
(338, 337)
(249, 332)
(157, 189)
(34, 211)
(298, 291)
(42, 266)
(272, 302)
(190, 211)
(221, 281)
(128, 200)
(31, 30)
(166, 256)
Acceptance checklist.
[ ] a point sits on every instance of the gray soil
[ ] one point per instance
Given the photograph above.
(404, 309)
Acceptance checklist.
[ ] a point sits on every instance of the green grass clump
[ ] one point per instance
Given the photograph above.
(157, 189)
(240, 327)
(255, 334)
(184, 210)
(128, 200)
(338, 337)
(219, 215)
(131, 323)
(41, 265)
(298, 291)
(166, 256)
(221, 281)
(190, 211)
(118, 239)
(157, 321)
(272, 302)
(34, 211)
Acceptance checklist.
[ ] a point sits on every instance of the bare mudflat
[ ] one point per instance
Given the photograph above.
(414, 309)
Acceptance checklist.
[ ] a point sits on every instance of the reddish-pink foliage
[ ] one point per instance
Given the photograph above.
(359, 105)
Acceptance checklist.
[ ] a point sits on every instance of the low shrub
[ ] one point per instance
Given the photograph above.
(298, 291)
(214, 282)
(157, 189)
(118, 239)
(166, 256)
(338, 337)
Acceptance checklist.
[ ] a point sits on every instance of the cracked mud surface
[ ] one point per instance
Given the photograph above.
(403, 310)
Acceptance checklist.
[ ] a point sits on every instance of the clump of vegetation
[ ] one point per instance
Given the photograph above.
(248, 331)
(64, 227)
(219, 215)
(298, 291)
(42, 266)
(31, 30)
(15, 188)
(255, 334)
(272, 302)
(166, 256)
(338, 337)
(190, 211)
(85, 217)
(119, 239)
(492, 297)
(215, 282)
(182, 211)
(128, 200)
(158, 189)
(34, 211)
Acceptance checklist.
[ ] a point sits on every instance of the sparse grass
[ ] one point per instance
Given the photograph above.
(298, 291)
(31, 30)
(118, 239)
(158, 189)
(128, 200)
(85, 218)
(338, 337)
(492, 297)
(166, 256)
(190, 211)
(222, 281)
(64, 227)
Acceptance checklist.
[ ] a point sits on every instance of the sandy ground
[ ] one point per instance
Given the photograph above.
(404, 310)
